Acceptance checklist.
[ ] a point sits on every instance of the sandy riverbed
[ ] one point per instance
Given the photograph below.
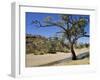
(36, 60)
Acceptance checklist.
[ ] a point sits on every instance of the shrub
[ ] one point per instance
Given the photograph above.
(39, 45)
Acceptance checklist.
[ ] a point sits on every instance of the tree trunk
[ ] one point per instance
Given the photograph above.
(73, 53)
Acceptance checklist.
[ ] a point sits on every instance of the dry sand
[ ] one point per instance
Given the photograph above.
(36, 60)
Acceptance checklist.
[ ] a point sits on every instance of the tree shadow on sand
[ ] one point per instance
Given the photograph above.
(83, 55)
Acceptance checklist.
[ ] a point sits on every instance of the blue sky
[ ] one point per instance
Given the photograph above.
(48, 31)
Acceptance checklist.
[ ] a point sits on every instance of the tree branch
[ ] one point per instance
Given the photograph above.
(74, 40)
(60, 32)
(40, 25)
(48, 24)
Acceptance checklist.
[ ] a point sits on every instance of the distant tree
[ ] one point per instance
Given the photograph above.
(73, 28)
(86, 45)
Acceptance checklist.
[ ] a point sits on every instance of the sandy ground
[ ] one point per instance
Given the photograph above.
(36, 60)
(84, 61)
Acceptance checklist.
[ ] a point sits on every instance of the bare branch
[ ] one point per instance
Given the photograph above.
(60, 32)
(48, 24)
(76, 38)
(40, 25)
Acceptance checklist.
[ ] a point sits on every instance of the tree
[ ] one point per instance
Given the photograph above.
(72, 27)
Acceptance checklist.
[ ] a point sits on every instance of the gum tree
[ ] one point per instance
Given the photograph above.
(72, 27)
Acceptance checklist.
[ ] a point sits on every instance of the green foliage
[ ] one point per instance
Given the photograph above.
(39, 45)
(36, 44)
(73, 27)
(81, 45)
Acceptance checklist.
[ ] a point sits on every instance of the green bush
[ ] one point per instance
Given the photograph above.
(39, 45)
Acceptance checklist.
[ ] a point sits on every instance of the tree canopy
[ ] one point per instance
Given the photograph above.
(72, 26)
